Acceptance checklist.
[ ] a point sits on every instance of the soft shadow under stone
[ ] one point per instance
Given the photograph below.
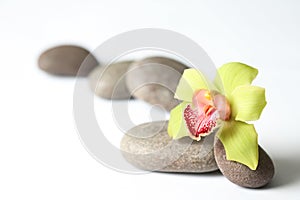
(287, 170)
(149, 147)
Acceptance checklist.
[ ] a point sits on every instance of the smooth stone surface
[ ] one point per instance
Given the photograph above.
(154, 80)
(66, 60)
(149, 147)
(109, 82)
(241, 174)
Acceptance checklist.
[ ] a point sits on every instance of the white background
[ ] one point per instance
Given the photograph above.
(41, 156)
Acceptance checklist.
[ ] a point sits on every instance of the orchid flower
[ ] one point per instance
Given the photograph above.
(226, 105)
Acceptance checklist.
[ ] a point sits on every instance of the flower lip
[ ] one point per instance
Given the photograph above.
(200, 124)
(205, 113)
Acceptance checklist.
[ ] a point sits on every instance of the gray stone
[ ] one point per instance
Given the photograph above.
(242, 175)
(66, 60)
(154, 80)
(109, 82)
(149, 147)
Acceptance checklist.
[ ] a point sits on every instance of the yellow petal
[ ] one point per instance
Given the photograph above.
(240, 143)
(247, 103)
(234, 74)
(191, 81)
(177, 127)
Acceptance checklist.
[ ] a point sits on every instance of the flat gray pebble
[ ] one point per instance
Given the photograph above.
(241, 174)
(154, 80)
(65, 60)
(109, 82)
(149, 147)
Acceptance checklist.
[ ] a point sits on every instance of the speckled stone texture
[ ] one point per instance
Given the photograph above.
(241, 174)
(66, 60)
(154, 80)
(109, 82)
(149, 147)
